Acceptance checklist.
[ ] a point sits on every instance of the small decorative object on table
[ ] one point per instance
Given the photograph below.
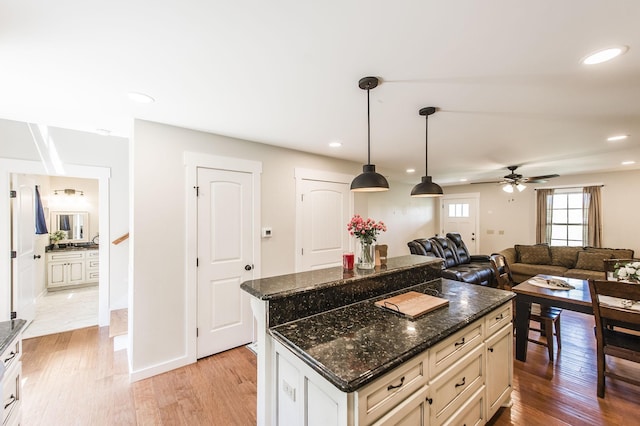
(629, 272)
(367, 232)
(57, 236)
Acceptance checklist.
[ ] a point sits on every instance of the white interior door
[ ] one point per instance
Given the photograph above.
(460, 214)
(325, 213)
(225, 257)
(24, 237)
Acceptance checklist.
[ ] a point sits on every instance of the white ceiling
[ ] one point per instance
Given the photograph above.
(505, 75)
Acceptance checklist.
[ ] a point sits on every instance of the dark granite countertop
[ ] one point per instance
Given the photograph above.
(287, 285)
(80, 246)
(353, 345)
(9, 330)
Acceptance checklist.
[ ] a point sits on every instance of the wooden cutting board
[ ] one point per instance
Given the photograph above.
(412, 304)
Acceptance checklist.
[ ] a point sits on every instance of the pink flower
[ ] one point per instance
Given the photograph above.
(366, 230)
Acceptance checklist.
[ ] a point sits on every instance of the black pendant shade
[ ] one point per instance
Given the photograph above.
(369, 180)
(427, 188)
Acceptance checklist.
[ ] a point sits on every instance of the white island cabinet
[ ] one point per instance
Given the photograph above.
(327, 355)
(463, 379)
(11, 383)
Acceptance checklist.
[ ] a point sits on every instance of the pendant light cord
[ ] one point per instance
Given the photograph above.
(368, 130)
(426, 146)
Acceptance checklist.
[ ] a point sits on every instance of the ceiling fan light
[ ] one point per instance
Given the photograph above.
(369, 180)
(426, 188)
(521, 187)
(508, 188)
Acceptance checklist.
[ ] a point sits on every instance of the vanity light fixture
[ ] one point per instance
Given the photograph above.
(426, 188)
(369, 180)
(68, 192)
(604, 55)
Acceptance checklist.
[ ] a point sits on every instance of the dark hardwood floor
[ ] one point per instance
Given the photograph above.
(75, 378)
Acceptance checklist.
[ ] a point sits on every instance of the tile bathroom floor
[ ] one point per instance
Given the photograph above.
(64, 310)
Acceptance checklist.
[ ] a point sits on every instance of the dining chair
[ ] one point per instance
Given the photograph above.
(546, 317)
(615, 303)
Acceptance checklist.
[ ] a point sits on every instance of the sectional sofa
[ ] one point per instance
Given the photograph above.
(526, 261)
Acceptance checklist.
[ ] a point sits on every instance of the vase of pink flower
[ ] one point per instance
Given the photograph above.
(366, 231)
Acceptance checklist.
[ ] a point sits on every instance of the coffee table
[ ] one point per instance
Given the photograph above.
(577, 299)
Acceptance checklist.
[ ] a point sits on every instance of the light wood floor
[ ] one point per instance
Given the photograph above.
(75, 378)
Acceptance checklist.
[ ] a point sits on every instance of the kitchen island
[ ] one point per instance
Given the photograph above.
(327, 355)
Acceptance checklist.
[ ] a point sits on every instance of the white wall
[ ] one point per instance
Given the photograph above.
(87, 149)
(515, 213)
(406, 218)
(158, 341)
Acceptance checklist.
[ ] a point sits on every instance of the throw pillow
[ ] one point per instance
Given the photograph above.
(593, 261)
(564, 256)
(536, 255)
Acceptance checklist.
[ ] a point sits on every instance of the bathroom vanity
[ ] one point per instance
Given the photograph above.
(328, 356)
(72, 266)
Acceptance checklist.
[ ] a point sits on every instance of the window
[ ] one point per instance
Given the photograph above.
(568, 219)
(459, 210)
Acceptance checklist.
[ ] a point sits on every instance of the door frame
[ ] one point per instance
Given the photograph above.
(192, 161)
(10, 166)
(472, 195)
(301, 174)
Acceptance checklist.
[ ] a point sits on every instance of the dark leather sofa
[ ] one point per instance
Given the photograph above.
(458, 264)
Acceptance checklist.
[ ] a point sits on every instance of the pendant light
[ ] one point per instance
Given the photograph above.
(426, 188)
(369, 180)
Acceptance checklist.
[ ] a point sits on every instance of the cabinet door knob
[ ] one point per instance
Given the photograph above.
(248, 267)
(36, 256)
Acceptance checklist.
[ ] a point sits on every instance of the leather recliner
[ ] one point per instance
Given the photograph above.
(458, 264)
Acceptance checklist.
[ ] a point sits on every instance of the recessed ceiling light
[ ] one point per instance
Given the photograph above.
(464, 180)
(628, 163)
(411, 170)
(604, 55)
(617, 138)
(103, 132)
(335, 144)
(140, 97)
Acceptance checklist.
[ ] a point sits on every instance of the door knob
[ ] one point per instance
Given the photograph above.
(36, 256)
(248, 267)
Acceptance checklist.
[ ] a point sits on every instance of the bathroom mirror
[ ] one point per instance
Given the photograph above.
(75, 224)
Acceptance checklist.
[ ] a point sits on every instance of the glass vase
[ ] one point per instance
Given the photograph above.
(366, 257)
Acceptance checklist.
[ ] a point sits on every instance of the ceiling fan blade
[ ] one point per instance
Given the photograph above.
(492, 181)
(540, 179)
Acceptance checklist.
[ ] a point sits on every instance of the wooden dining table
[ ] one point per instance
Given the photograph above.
(576, 299)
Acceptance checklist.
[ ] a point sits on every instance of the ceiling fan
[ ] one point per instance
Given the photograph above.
(517, 181)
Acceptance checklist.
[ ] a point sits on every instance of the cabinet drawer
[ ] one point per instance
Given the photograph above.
(377, 398)
(445, 353)
(471, 413)
(413, 411)
(11, 394)
(93, 264)
(93, 254)
(59, 257)
(93, 276)
(498, 318)
(12, 354)
(454, 387)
